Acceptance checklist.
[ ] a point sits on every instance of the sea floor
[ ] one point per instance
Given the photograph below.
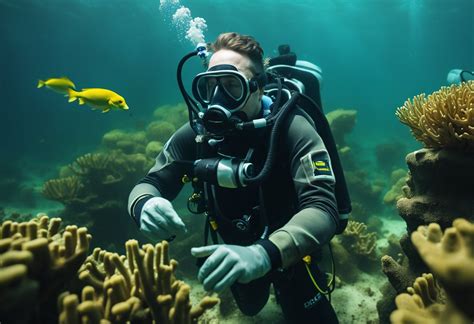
(354, 304)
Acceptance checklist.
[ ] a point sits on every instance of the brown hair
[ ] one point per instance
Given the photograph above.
(243, 44)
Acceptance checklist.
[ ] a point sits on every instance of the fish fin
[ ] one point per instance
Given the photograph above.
(41, 83)
(72, 95)
(81, 101)
(106, 110)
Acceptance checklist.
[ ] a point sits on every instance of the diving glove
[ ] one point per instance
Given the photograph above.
(227, 264)
(159, 221)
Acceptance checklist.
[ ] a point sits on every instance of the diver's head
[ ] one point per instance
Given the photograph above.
(232, 87)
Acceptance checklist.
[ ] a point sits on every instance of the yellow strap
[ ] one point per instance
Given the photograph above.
(307, 262)
(213, 224)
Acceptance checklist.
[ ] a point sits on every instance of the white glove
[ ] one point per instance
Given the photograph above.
(230, 263)
(159, 221)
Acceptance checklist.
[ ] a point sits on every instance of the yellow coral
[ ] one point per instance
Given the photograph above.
(140, 285)
(443, 120)
(357, 240)
(450, 256)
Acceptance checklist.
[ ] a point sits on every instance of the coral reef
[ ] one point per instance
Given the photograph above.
(444, 119)
(94, 191)
(439, 189)
(439, 186)
(37, 261)
(40, 264)
(450, 256)
(341, 121)
(357, 247)
(94, 188)
(159, 131)
(398, 179)
(138, 287)
(177, 114)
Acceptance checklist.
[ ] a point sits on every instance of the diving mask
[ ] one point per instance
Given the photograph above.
(223, 91)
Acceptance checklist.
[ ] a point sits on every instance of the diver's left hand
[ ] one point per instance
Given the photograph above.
(230, 263)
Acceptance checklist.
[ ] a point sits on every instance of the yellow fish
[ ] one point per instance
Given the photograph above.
(97, 98)
(61, 85)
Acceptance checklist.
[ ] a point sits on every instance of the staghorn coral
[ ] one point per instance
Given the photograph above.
(450, 256)
(445, 119)
(140, 286)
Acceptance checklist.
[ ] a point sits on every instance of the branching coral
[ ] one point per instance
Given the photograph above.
(51, 258)
(63, 189)
(38, 262)
(445, 119)
(450, 256)
(90, 162)
(139, 286)
(355, 239)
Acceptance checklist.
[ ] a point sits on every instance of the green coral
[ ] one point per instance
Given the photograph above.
(177, 114)
(159, 131)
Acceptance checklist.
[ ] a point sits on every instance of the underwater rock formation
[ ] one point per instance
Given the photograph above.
(398, 179)
(40, 264)
(439, 186)
(450, 257)
(342, 122)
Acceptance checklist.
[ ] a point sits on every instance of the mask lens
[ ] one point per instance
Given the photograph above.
(206, 87)
(233, 86)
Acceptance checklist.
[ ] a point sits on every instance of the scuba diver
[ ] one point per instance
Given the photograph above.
(457, 76)
(265, 171)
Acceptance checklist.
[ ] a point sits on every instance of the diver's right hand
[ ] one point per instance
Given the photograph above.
(159, 221)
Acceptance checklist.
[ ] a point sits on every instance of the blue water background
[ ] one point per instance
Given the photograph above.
(374, 54)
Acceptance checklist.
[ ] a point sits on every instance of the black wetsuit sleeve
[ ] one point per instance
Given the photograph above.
(313, 179)
(164, 178)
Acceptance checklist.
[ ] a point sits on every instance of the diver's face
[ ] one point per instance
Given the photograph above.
(243, 64)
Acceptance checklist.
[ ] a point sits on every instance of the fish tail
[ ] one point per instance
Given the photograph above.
(72, 95)
(41, 83)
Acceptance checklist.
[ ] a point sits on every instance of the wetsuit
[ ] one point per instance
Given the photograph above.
(298, 201)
